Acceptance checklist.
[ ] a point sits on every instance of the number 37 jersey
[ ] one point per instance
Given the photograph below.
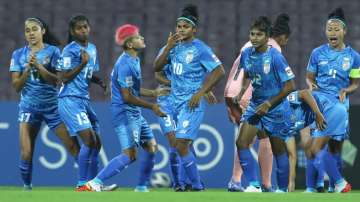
(189, 64)
(71, 58)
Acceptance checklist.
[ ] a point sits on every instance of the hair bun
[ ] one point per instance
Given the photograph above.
(338, 13)
(191, 10)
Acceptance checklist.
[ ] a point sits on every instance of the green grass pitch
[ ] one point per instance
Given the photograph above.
(64, 194)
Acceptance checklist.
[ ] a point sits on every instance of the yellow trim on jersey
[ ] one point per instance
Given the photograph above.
(355, 73)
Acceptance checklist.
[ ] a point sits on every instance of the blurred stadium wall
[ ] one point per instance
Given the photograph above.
(224, 26)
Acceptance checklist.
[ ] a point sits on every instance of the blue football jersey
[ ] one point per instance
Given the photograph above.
(332, 67)
(36, 92)
(267, 71)
(71, 58)
(189, 64)
(126, 74)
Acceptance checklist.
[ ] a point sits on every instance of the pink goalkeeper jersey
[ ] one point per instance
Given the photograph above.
(233, 87)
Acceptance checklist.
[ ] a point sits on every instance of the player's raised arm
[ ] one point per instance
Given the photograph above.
(69, 75)
(46, 75)
(162, 58)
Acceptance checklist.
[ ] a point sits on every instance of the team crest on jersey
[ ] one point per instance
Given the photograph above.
(266, 66)
(67, 62)
(189, 57)
(129, 81)
(346, 63)
(185, 123)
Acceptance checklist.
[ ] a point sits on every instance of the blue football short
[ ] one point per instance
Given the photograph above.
(277, 122)
(133, 131)
(49, 115)
(78, 115)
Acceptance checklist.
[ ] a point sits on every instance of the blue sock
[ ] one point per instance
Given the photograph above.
(146, 167)
(320, 167)
(26, 171)
(249, 166)
(310, 174)
(338, 160)
(184, 178)
(331, 183)
(189, 165)
(94, 164)
(282, 171)
(115, 166)
(320, 172)
(83, 161)
(331, 167)
(176, 166)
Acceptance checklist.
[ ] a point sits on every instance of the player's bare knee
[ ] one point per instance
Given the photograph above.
(131, 153)
(242, 143)
(150, 146)
(182, 146)
(308, 153)
(171, 139)
(153, 148)
(314, 150)
(74, 149)
(26, 155)
(292, 154)
(90, 143)
(172, 144)
(279, 151)
(334, 146)
(132, 157)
